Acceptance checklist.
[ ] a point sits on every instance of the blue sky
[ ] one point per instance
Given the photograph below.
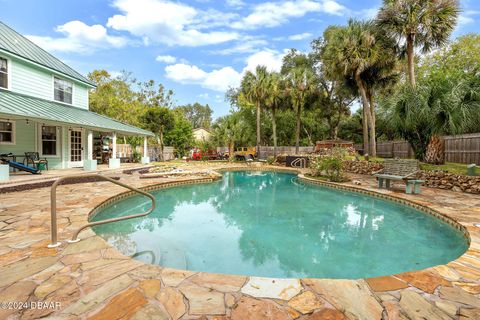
(198, 48)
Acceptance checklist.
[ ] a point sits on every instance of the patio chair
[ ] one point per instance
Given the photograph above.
(34, 159)
(400, 170)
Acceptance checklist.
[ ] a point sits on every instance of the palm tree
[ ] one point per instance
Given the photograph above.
(254, 89)
(274, 98)
(381, 76)
(227, 131)
(300, 85)
(421, 115)
(423, 24)
(350, 52)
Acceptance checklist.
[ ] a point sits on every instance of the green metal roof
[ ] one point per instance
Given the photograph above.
(20, 106)
(14, 43)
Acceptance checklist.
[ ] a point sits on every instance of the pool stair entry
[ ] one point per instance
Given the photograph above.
(53, 207)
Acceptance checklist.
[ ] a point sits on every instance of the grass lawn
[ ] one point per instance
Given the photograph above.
(457, 168)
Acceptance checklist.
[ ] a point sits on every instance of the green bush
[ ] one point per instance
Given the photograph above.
(137, 156)
(270, 160)
(329, 165)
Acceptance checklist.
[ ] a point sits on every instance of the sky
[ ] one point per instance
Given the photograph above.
(198, 48)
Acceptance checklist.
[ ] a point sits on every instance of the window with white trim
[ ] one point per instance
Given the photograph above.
(49, 141)
(62, 90)
(7, 132)
(3, 73)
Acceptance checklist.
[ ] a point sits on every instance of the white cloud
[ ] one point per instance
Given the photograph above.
(300, 36)
(217, 80)
(272, 14)
(333, 7)
(464, 19)
(167, 59)
(204, 96)
(246, 45)
(223, 78)
(80, 38)
(269, 58)
(369, 13)
(170, 23)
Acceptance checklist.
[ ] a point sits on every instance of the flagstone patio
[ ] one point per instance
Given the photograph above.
(92, 280)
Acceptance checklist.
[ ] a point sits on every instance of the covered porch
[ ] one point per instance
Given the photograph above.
(59, 136)
(22, 178)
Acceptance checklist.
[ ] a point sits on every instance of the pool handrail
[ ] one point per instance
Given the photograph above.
(53, 207)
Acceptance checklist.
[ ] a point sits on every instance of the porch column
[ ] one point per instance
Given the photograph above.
(90, 163)
(114, 163)
(145, 158)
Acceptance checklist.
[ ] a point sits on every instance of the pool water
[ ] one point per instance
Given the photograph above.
(268, 224)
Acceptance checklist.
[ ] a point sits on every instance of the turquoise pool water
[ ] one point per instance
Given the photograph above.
(268, 224)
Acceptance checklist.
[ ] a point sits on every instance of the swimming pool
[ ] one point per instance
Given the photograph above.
(268, 224)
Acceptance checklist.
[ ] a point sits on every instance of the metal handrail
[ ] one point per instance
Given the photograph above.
(53, 207)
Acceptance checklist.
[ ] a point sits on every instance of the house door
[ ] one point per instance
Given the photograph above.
(76, 148)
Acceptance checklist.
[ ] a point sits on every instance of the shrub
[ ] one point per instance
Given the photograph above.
(137, 156)
(329, 165)
(270, 160)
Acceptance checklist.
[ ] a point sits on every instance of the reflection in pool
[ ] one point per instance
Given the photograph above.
(267, 224)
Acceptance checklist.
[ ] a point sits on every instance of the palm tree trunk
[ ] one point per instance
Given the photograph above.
(297, 133)
(274, 129)
(367, 116)
(435, 150)
(366, 145)
(230, 150)
(411, 59)
(258, 127)
(372, 125)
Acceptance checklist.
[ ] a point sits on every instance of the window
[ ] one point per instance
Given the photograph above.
(62, 90)
(7, 132)
(3, 73)
(49, 141)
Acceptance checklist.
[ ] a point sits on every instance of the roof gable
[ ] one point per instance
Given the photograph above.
(15, 43)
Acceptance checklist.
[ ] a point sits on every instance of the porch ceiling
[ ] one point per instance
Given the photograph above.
(20, 106)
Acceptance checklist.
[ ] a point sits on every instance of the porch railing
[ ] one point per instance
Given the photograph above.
(53, 207)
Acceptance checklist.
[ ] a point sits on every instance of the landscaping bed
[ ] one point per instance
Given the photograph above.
(434, 179)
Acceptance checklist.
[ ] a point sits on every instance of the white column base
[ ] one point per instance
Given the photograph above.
(4, 172)
(145, 160)
(114, 163)
(90, 165)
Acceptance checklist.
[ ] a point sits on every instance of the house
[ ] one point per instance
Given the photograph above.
(201, 134)
(44, 109)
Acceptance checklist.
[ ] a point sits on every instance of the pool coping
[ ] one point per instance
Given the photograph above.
(373, 297)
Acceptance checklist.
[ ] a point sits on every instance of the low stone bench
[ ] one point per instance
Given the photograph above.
(399, 170)
(413, 186)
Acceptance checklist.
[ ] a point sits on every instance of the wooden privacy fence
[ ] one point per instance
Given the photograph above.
(463, 148)
(394, 149)
(265, 152)
(125, 150)
(460, 149)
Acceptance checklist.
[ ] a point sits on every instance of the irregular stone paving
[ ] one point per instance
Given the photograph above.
(92, 280)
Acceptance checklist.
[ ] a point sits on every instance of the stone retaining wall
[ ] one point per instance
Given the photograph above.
(433, 179)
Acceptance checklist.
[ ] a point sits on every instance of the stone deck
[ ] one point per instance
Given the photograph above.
(92, 280)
